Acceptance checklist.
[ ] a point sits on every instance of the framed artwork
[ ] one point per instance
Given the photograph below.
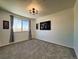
(5, 24)
(45, 25)
(37, 26)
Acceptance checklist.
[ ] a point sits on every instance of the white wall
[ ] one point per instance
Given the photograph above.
(21, 36)
(76, 28)
(5, 33)
(62, 28)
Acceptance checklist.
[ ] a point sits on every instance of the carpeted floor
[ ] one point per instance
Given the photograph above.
(36, 49)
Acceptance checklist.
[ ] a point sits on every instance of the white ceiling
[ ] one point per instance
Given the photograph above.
(45, 7)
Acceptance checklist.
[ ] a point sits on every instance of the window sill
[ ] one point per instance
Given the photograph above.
(20, 31)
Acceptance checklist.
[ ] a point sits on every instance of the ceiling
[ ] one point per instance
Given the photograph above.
(45, 7)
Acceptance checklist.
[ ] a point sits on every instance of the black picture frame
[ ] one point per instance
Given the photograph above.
(45, 25)
(5, 24)
(36, 26)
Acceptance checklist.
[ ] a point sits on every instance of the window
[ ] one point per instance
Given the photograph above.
(20, 25)
(25, 25)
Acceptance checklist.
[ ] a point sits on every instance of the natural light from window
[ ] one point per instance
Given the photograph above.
(20, 25)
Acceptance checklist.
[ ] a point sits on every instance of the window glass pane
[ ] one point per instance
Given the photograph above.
(17, 25)
(25, 25)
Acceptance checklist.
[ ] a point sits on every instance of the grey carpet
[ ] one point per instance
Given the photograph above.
(36, 49)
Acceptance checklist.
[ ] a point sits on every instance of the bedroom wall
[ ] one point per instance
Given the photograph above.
(62, 28)
(76, 28)
(5, 33)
